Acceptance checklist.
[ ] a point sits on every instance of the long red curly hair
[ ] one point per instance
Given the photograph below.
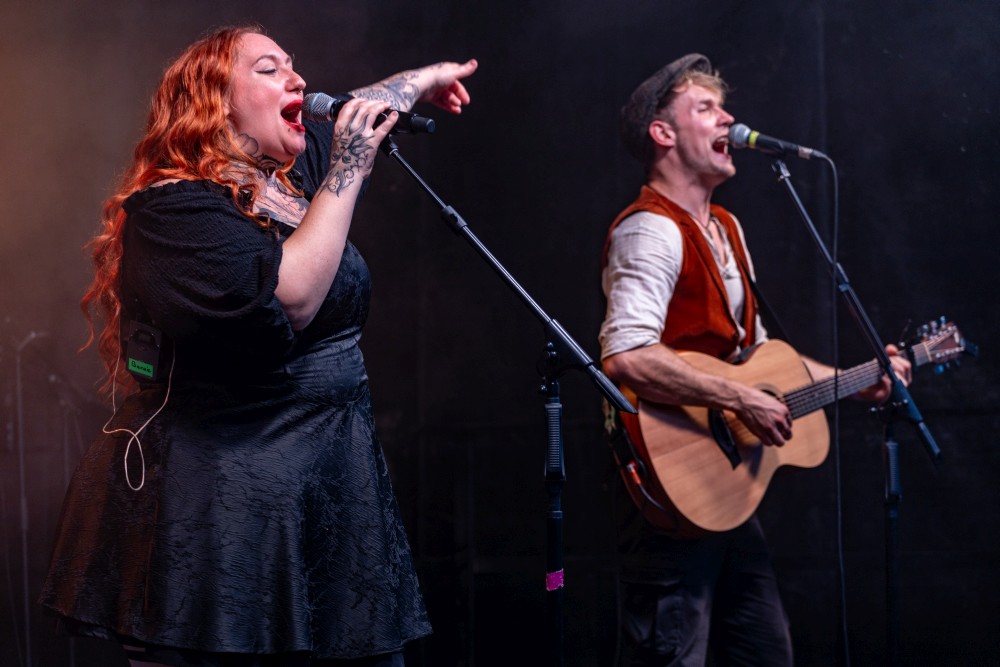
(187, 137)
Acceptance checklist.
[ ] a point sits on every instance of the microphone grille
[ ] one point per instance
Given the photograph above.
(316, 107)
(739, 134)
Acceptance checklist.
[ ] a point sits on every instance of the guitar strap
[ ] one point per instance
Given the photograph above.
(765, 309)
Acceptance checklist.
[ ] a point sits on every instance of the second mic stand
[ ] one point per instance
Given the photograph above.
(561, 353)
(898, 407)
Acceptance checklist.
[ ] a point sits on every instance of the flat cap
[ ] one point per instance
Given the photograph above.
(645, 100)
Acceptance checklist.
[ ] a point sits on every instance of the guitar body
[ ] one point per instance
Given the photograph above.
(691, 469)
(709, 466)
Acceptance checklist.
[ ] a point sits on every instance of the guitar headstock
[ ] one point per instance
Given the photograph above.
(938, 342)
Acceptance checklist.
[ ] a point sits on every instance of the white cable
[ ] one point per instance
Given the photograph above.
(134, 435)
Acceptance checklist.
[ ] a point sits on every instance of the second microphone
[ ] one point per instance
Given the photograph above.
(320, 107)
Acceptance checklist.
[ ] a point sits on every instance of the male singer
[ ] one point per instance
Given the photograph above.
(676, 274)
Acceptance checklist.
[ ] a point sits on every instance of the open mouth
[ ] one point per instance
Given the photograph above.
(292, 115)
(721, 145)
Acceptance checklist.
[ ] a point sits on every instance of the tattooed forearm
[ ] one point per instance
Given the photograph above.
(399, 90)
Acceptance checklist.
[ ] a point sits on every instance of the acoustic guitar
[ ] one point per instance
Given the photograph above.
(707, 466)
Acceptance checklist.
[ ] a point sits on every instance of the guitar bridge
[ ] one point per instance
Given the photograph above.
(724, 437)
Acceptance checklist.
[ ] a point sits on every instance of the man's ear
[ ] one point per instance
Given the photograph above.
(662, 133)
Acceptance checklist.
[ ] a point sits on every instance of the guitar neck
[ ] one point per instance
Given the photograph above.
(819, 394)
(945, 344)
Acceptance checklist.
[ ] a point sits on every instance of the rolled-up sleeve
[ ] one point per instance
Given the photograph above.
(644, 262)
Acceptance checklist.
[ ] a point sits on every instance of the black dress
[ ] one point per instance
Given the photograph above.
(263, 521)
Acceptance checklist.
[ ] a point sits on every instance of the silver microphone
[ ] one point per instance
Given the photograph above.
(323, 108)
(741, 136)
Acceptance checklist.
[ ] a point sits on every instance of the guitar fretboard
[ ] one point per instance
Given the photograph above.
(812, 397)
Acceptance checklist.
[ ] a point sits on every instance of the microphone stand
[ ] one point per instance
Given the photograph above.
(21, 471)
(898, 407)
(560, 354)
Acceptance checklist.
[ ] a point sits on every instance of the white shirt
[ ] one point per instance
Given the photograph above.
(644, 262)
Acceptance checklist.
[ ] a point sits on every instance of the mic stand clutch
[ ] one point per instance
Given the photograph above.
(561, 353)
(899, 406)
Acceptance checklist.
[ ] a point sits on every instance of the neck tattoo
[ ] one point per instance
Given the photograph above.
(267, 166)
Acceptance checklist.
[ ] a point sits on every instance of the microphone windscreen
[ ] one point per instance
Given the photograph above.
(739, 135)
(320, 107)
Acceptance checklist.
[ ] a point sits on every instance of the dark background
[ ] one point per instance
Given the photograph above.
(902, 96)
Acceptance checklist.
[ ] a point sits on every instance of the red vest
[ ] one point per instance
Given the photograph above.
(699, 317)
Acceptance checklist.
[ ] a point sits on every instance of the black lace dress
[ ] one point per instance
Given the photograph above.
(254, 514)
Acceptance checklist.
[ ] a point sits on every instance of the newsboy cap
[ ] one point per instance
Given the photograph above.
(645, 100)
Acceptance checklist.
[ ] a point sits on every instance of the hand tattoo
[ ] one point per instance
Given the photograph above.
(351, 157)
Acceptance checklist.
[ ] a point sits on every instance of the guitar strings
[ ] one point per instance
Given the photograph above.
(807, 399)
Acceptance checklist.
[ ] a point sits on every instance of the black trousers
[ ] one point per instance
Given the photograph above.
(682, 599)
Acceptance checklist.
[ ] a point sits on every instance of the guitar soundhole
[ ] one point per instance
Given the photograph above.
(724, 437)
